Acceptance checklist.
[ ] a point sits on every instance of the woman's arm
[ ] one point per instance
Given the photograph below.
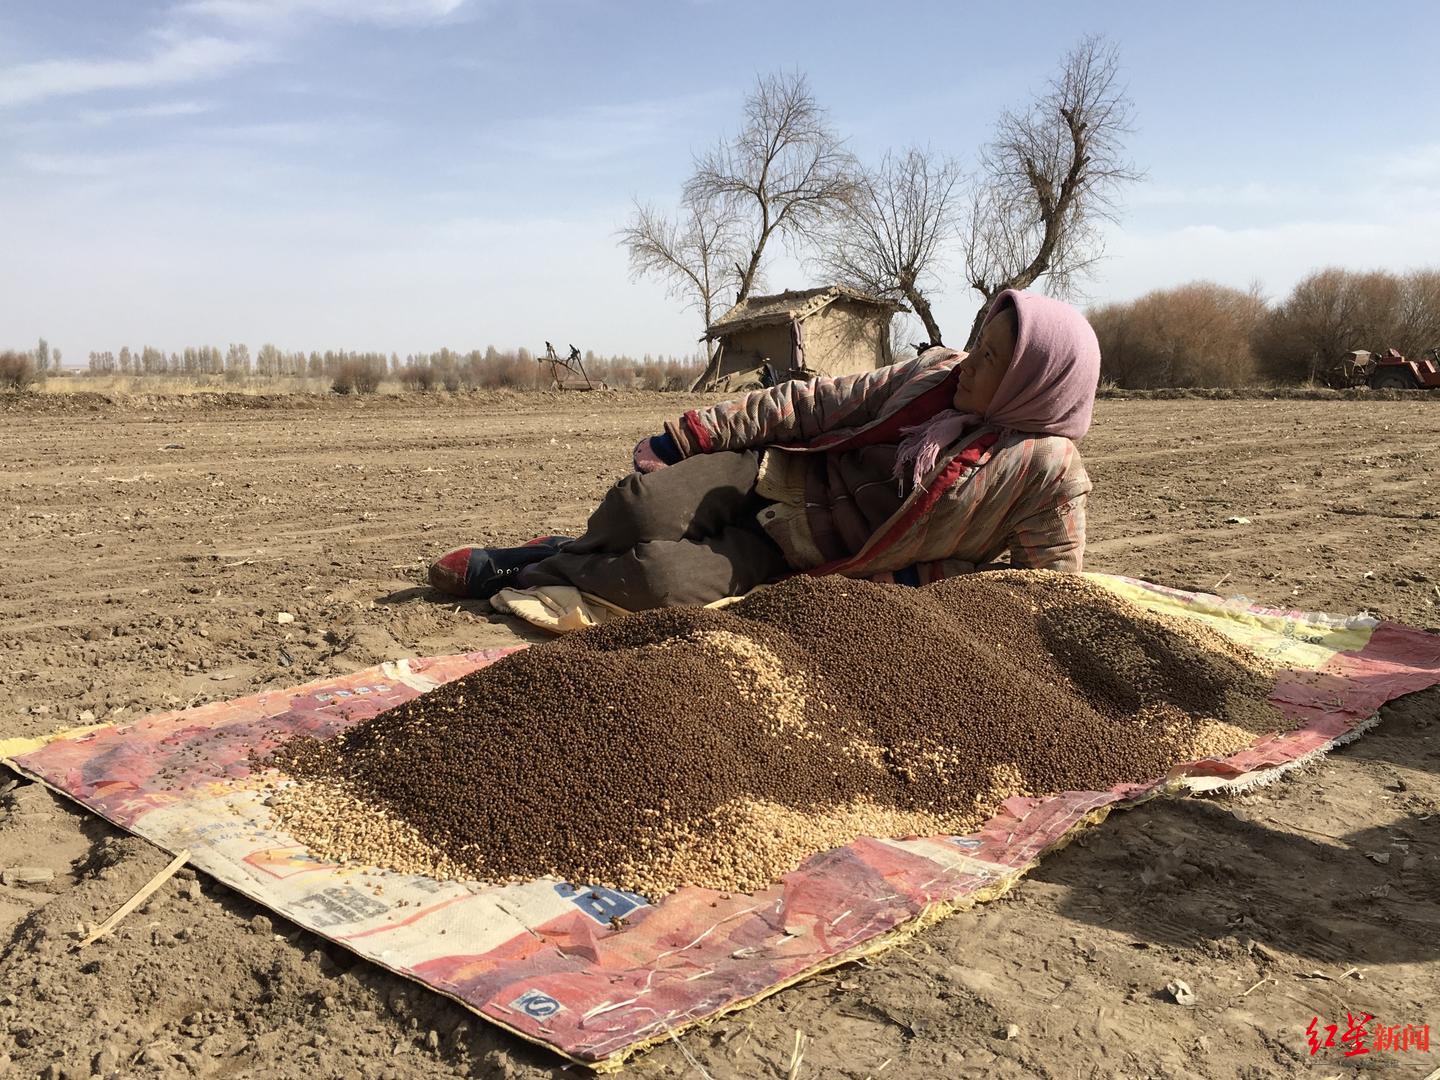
(1053, 539)
(1029, 498)
(796, 412)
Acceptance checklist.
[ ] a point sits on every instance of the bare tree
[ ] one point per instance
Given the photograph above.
(17, 369)
(888, 238)
(1197, 334)
(1049, 179)
(694, 254)
(1418, 318)
(783, 174)
(1332, 311)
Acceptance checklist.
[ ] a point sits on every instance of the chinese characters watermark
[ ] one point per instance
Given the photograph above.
(1365, 1035)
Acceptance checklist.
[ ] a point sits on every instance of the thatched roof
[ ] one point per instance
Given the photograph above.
(780, 308)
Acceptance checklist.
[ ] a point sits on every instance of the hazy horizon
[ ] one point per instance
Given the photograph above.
(402, 175)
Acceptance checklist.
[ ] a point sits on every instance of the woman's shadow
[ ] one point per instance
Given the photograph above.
(1187, 872)
(480, 609)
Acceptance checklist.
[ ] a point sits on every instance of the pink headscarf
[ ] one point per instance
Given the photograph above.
(1049, 388)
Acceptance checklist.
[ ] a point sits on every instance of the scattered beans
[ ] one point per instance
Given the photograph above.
(721, 748)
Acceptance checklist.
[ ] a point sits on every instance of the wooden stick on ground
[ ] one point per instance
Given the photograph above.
(797, 1055)
(688, 1056)
(1257, 986)
(135, 901)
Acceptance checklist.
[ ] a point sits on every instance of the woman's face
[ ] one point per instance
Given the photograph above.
(982, 370)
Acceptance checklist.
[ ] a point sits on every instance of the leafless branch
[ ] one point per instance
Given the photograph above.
(784, 173)
(1049, 179)
(693, 253)
(888, 238)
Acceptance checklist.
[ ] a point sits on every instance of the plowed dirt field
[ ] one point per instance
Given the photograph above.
(149, 546)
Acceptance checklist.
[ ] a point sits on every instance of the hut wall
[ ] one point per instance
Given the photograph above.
(749, 348)
(843, 339)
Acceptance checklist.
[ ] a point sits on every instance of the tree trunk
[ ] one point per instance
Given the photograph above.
(979, 322)
(747, 273)
(922, 309)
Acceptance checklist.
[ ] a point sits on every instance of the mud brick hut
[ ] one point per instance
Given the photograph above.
(829, 330)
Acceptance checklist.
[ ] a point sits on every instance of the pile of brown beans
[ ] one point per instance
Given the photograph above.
(719, 748)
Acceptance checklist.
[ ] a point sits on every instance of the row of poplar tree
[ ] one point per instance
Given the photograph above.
(447, 368)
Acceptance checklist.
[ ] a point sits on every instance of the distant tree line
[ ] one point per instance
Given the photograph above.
(1204, 334)
(363, 372)
(1199, 334)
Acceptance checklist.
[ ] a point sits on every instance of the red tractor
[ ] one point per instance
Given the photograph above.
(1390, 370)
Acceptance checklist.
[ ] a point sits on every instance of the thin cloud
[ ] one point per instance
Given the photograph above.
(278, 133)
(205, 39)
(178, 59)
(1251, 193)
(210, 155)
(160, 110)
(1278, 255)
(1420, 165)
(599, 132)
(80, 166)
(271, 13)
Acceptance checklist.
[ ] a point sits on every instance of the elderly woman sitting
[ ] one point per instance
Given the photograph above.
(910, 473)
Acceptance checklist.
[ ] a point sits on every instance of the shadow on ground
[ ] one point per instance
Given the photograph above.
(1200, 870)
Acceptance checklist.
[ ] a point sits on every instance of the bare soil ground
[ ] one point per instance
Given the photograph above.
(148, 547)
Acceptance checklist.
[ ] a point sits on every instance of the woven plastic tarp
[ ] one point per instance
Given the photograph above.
(596, 974)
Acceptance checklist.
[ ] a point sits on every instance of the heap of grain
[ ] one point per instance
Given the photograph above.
(720, 748)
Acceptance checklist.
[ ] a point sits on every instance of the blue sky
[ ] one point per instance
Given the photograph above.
(406, 174)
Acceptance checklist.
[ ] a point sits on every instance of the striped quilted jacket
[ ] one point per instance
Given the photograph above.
(990, 492)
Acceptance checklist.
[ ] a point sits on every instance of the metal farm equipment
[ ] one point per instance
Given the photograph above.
(562, 370)
(1388, 371)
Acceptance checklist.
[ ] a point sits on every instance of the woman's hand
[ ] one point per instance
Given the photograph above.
(656, 452)
(645, 457)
